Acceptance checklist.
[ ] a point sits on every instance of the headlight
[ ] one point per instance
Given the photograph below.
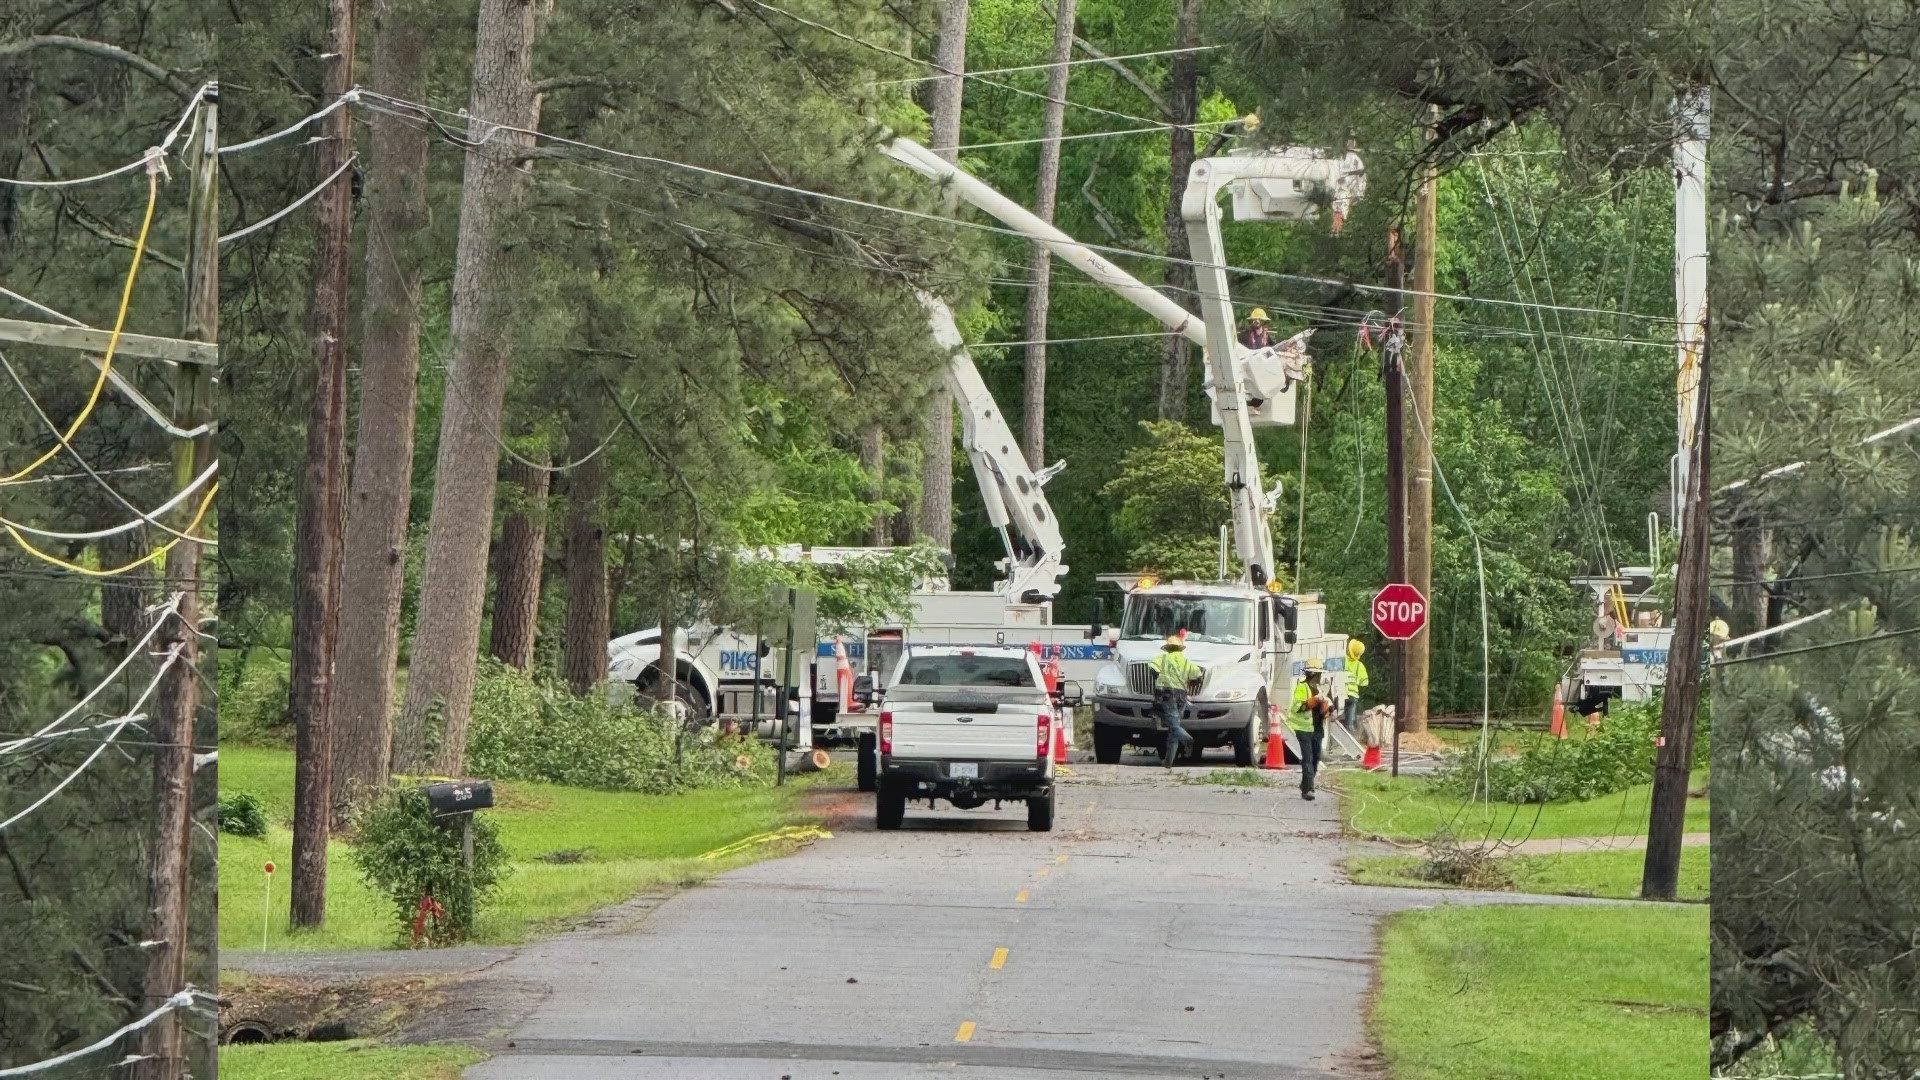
(1109, 681)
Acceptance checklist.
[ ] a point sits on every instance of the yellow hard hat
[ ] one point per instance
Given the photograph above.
(1314, 667)
(1174, 642)
(1258, 315)
(1355, 647)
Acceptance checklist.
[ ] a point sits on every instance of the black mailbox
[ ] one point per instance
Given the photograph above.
(459, 797)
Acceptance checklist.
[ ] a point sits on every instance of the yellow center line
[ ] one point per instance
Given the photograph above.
(1042, 872)
(965, 1033)
(1060, 858)
(1020, 897)
(999, 959)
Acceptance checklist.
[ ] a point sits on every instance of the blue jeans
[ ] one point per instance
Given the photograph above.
(1172, 706)
(1309, 754)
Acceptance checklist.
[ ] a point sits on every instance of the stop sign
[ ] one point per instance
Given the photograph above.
(1399, 611)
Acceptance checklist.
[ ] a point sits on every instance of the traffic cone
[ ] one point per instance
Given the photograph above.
(1559, 725)
(1059, 744)
(1276, 743)
(1371, 759)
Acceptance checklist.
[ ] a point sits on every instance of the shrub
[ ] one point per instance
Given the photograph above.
(242, 814)
(253, 703)
(527, 728)
(1585, 765)
(1448, 862)
(405, 853)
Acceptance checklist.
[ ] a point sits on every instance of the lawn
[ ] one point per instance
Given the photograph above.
(624, 843)
(1411, 808)
(1614, 874)
(1523, 992)
(331, 1061)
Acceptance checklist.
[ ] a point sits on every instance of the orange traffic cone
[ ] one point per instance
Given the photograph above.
(1559, 725)
(1371, 759)
(1276, 743)
(1059, 744)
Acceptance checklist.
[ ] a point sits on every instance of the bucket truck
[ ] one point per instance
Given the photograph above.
(1242, 632)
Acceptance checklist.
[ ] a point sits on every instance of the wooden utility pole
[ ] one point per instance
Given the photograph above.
(1673, 756)
(322, 500)
(162, 1046)
(1419, 373)
(1393, 354)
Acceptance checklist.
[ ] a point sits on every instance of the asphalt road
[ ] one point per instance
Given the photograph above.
(1165, 929)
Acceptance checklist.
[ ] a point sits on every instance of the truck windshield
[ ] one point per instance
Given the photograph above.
(1221, 620)
(966, 671)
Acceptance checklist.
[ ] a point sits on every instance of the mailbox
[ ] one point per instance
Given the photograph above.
(459, 797)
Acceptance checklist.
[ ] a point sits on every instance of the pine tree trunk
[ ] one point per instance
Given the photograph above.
(1052, 122)
(1183, 98)
(322, 503)
(873, 461)
(433, 727)
(124, 598)
(374, 561)
(588, 621)
(522, 555)
(1749, 570)
(936, 468)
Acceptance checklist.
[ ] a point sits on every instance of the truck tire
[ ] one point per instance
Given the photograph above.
(889, 809)
(1248, 737)
(868, 767)
(1107, 744)
(1040, 813)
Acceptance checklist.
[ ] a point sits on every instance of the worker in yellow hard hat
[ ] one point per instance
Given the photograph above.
(1356, 682)
(1308, 719)
(1175, 678)
(1256, 335)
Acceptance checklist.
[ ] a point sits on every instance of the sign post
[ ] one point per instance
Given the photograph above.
(1399, 612)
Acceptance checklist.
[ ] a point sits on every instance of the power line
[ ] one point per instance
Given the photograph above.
(1822, 577)
(120, 382)
(1869, 638)
(1153, 129)
(243, 233)
(372, 98)
(169, 609)
(241, 147)
(101, 534)
(153, 157)
(133, 716)
(182, 1000)
(1049, 66)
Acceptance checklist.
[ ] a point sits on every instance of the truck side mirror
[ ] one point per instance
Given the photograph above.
(1099, 611)
(1071, 695)
(863, 689)
(1289, 610)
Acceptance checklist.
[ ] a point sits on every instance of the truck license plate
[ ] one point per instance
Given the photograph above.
(965, 770)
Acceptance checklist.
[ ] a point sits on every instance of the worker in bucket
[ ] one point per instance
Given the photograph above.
(1308, 719)
(1256, 335)
(1175, 678)
(1356, 682)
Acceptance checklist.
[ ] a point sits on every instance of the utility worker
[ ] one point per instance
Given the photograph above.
(1356, 681)
(1309, 723)
(1174, 678)
(1256, 335)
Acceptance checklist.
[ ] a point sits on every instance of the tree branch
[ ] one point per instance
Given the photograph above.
(569, 82)
(102, 50)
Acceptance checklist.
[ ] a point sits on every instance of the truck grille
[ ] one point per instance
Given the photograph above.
(1140, 679)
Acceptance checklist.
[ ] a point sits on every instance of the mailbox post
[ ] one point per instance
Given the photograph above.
(457, 800)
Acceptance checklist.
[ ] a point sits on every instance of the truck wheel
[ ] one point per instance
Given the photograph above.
(1040, 813)
(1245, 739)
(868, 768)
(1107, 744)
(889, 809)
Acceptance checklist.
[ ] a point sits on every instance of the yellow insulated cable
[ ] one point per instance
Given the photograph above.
(119, 321)
(63, 564)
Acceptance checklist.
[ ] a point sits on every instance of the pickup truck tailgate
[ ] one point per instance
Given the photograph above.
(969, 727)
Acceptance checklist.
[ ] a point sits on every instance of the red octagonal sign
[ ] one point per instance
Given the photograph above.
(1399, 611)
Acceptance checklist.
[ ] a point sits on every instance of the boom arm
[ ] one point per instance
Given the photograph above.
(1016, 503)
(1236, 375)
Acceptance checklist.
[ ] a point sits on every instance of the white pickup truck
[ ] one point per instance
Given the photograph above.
(971, 726)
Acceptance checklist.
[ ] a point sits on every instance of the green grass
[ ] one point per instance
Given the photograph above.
(631, 843)
(356, 1060)
(1375, 804)
(1614, 874)
(1521, 993)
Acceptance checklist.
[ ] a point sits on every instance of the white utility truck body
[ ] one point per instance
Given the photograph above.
(970, 726)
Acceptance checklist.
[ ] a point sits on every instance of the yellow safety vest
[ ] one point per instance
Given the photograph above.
(1356, 678)
(1300, 718)
(1173, 671)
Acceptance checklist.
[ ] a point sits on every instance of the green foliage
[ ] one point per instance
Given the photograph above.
(1586, 765)
(868, 592)
(1170, 502)
(405, 854)
(243, 814)
(253, 701)
(527, 727)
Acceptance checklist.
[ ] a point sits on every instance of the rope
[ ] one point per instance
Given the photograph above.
(119, 322)
(150, 556)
